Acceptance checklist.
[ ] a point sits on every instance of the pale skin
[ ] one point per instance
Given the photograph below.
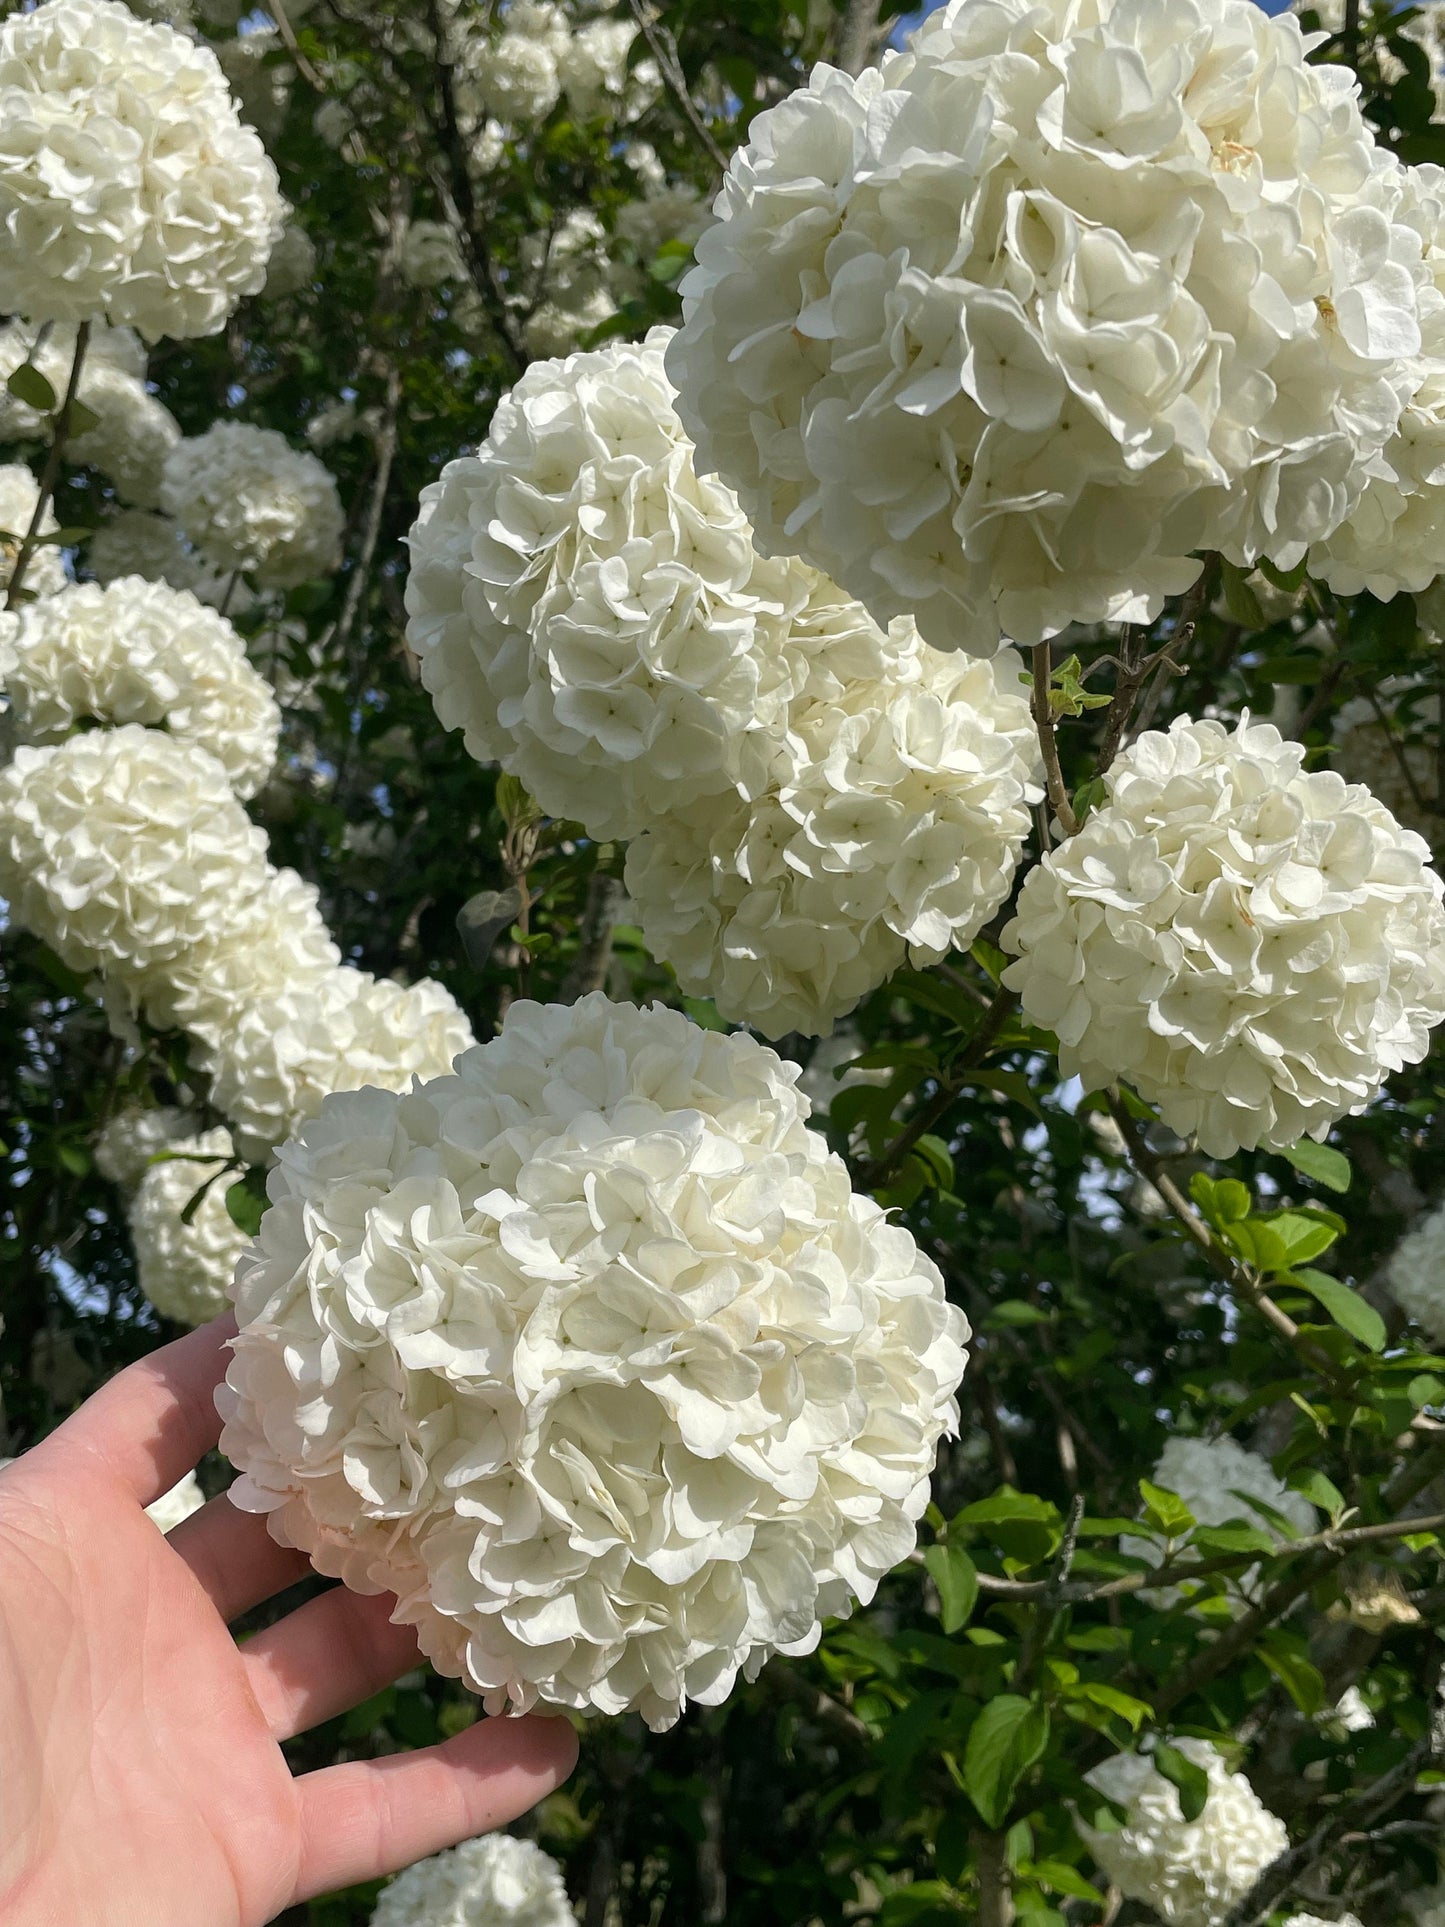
(142, 1782)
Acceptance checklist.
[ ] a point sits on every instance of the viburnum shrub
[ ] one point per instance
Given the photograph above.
(719, 760)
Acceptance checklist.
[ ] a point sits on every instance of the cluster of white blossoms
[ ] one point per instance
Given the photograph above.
(122, 849)
(137, 542)
(495, 1881)
(248, 500)
(133, 432)
(179, 1503)
(883, 826)
(139, 652)
(1001, 334)
(1217, 1479)
(19, 494)
(1252, 947)
(429, 255)
(624, 1387)
(519, 75)
(1415, 1275)
(126, 1144)
(129, 189)
(571, 281)
(1315, 1920)
(815, 799)
(186, 1269)
(278, 1056)
(1427, 1909)
(292, 266)
(1191, 1872)
(1391, 539)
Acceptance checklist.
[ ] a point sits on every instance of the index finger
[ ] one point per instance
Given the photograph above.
(153, 1421)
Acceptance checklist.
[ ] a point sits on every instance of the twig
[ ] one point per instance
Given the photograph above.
(1282, 1874)
(859, 34)
(1350, 36)
(1183, 1571)
(459, 202)
(599, 920)
(1052, 1597)
(880, 1169)
(50, 474)
(1240, 1281)
(664, 51)
(386, 439)
(1134, 671)
(1043, 675)
(782, 1683)
(995, 1879)
(308, 73)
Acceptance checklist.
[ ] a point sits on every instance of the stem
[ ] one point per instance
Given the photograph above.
(995, 1882)
(599, 920)
(50, 474)
(879, 1170)
(371, 528)
(859, 33)
(664, 52)
(1350, 37)
(782, 1683)
(1135, 671)
(1043, 668)
(1240, 1281)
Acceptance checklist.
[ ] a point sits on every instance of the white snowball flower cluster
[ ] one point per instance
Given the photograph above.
(277, 1056)
(122, 848)
(429, 255)
(1002, 333)
(129, 188)
(516, 76)
(19, 493)
(137, 542)
(1427, 1908)
(1416, 1275)
(292, 266)
(132, 433)
(1216, 1479)
(1391, 540)
(1350, 1714)
(1254, 948)
(588, 611)
(179, 1503)
(250, 501)
(125, 1145)
(626, 1388)
(1315, 1920)
(140, 652)
(261, 82)
(495, 1881)
(274, 941)
(1191, 1872)
(592, 67)
(185, 1269)
(883, 826)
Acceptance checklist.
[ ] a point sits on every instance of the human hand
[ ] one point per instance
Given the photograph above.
(142, 1782)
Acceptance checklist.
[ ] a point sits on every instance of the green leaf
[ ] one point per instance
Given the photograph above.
(80, 419)
(956, 1577)
(1003, 1743)
(1300, 1679)
(27, 384)
(1302, 1236)
(74, 1158)
(1240, 599)
(937, 1160)
(1134, 1711)
(1320, 1491)
(1061, 1878)
(246, 1200)
(1166, 1510)
(1232, 1539)
(1191, 1780)
(1320, 1162)
(1345, 1305)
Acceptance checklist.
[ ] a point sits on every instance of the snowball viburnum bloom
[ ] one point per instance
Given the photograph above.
(185, 1269)
(495, 1881)
(429, 255)
(1191, 1872)
(135, 542)
(1416, 1275)
(1004, 331)
(1392, 538)
(45, 571)
(132, 433)
(883, 825)
(272, 1061)
(594, 616)
(1253, 947)
(1216, 1479)
(129, 188)
(125, 1146)
(122, 848)
(626, 1388)
(140, 652)
(250, 501)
